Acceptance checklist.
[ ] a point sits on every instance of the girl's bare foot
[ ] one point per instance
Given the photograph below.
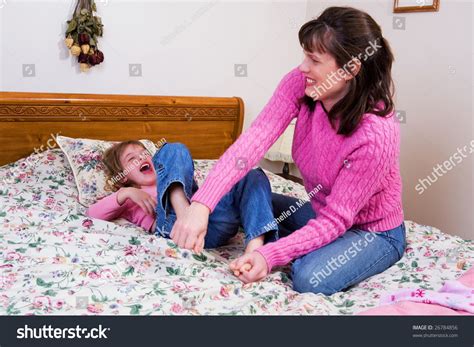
(254, 244)
(245, 267)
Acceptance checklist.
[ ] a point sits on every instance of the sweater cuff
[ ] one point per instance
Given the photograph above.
(206, 197)
(271, 253)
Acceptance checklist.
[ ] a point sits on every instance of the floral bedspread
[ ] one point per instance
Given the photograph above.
(54, 260)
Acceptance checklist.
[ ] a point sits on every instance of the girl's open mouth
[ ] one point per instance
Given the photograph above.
(146, 168)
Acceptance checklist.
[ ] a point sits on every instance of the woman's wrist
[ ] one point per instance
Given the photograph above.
(260, 251)
(201, 207)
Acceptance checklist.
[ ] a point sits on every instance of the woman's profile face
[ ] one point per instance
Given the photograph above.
(325, 80)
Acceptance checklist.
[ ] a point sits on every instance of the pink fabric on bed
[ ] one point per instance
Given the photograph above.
(454, 298)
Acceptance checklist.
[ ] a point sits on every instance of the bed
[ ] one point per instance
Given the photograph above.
(55, 260)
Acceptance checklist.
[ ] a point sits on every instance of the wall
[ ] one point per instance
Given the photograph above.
(185, 48)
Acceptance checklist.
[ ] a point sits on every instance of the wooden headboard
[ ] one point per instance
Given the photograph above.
(207, 125)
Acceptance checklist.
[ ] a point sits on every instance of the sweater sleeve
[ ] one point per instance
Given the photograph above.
(106, 208)
(251, 146)
(358, 180)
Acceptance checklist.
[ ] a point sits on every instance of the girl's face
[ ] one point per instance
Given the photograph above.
(325, 80)
(136, 161)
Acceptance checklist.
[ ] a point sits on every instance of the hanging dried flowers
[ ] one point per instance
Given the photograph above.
(82, 32)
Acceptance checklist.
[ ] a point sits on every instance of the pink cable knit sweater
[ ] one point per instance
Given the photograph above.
(359, 174)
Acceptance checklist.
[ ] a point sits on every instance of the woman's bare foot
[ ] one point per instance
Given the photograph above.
(254, 244)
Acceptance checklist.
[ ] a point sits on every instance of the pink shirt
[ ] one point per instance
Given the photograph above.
(359, 175)
(109, 209)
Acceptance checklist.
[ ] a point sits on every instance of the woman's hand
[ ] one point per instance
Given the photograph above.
(144, 200)
(250, 267)
(190, 230)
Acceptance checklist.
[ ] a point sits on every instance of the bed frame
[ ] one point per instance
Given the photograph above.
(207, 125)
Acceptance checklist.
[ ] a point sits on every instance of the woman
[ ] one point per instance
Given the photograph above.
(346, 146)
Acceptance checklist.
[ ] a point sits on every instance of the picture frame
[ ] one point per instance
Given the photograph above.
(404, 6)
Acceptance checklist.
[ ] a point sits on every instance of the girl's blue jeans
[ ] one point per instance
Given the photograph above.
(348, 260)
(248, 204)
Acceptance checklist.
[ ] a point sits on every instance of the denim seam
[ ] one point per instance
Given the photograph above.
(391, 239)
(260, 233)
(356, 279)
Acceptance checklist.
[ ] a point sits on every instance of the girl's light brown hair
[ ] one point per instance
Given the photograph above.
(113, 168)
(345, 33)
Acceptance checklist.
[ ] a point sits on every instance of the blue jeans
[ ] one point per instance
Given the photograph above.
(348, 260)
(248, 204)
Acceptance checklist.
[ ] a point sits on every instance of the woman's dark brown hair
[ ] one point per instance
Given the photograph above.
(346, 33)
(114, 170)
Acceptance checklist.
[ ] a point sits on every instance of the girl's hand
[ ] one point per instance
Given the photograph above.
(190, 230)
(250, 267)
(144, 200)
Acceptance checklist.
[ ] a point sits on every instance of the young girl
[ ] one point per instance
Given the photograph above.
(346, 140)
(154, 192)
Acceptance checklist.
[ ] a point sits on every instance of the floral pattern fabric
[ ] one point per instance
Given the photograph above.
(55, 260)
